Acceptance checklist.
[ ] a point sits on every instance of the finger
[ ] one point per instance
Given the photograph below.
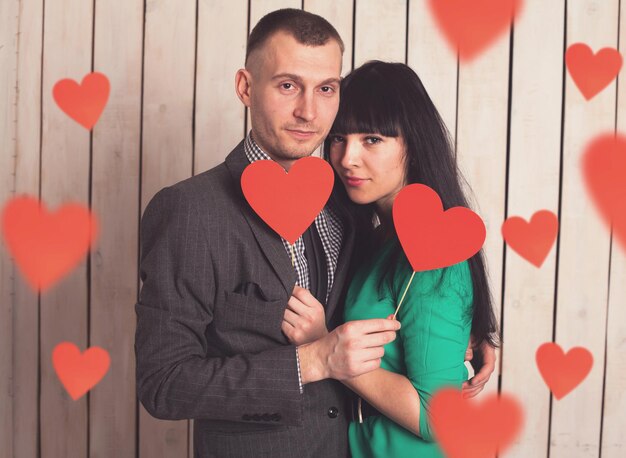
(305, 296)
(370, 354)
(482, 376)
(297, 306)
(378, 339)
(292, 318)
(467, 394)
(469, 354)
(374, 325)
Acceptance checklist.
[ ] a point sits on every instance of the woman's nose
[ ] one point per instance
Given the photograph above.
(351, 154)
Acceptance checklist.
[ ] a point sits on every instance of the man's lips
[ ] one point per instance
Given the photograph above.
(301, 133)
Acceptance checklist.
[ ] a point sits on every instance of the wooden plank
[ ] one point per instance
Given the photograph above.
(339, 14)
(380, 31)
(258, 9)
(167, 150)
(115, 172)
(584, 244)
(219, 113)
(614, 415)
(534, 160)
(481, 152)
(436, 67)
(65, 162)
(8, 116)
(26, 351)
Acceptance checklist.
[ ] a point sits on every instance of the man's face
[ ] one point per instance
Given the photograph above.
(293, 95)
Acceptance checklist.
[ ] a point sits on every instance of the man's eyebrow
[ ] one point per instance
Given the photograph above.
(297, 79)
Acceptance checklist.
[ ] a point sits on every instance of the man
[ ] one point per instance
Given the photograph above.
(217, 279)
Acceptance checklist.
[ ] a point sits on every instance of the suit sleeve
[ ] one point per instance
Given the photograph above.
(436, 324)
(178, 374)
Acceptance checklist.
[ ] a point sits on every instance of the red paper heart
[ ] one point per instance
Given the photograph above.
(532, 241)
(471, 26)
(83, 103)
(592, 73)
(78, 372)
(465, 429)
(430, 237)
(563, 372)
(288, 202)
(46, 246)
(604, 169)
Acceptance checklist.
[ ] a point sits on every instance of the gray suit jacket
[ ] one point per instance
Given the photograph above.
(209, 345)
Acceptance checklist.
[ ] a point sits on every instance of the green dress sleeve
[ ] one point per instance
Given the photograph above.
(436, 317)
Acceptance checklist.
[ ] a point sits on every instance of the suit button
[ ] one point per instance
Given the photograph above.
(333, 412)
(265, 417)
(246, 417)
(256, 417)
(276, 417)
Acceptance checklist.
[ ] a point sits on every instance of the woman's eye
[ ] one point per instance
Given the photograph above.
(373, 140)
(336, 139)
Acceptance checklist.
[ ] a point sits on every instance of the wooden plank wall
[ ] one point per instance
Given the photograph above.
(519, 124)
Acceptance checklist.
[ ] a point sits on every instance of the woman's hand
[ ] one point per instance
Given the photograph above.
(304, 320)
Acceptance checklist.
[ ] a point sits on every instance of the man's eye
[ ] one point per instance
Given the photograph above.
(327, 89)
(287, 85)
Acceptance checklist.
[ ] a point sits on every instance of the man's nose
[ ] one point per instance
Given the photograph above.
(305, 109)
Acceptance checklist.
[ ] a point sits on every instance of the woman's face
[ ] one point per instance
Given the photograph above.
(371, 167)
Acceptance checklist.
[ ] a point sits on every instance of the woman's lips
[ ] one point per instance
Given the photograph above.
(352, 181)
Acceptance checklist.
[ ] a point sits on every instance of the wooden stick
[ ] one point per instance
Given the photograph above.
(403, 294)
(293, 255)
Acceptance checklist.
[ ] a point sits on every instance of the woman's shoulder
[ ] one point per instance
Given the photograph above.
(456, 277)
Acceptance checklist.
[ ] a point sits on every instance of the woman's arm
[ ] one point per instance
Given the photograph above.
(392, 394)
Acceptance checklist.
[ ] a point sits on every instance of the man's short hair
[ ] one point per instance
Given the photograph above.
(307, 28)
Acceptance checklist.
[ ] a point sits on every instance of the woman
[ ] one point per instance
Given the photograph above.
(388, 134)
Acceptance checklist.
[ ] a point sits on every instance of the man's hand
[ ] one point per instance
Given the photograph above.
(304, 320)
(350, 350)
(483, 369)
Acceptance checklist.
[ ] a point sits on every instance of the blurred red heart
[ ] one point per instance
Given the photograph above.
(563, 372)
(79, 372)
(46, 246)
(83, 102)
(532, 241)
(467, 429)
(288, 202)
(604, 169)
(472, 26)
(430, 237)
(592, 72)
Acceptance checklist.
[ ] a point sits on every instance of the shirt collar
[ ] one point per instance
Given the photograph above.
(254, 151)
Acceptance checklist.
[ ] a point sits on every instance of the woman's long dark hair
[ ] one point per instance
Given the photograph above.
(389, 99)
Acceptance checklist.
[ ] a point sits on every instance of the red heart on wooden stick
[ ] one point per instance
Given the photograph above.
(592, 72)
(532, 241)
(467, 429)
(563, 372)
(604, 169)
(430, 237)
(46, 246)
(79, 372)
(83, 102)
(471, 26)
(288, 202)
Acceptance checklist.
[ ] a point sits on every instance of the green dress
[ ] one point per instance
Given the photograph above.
(429, 348)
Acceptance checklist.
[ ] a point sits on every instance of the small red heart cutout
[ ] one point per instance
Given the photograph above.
(83, 102)
(464, 428)
(563, 372)
(472, 26)
(79, 372)
(604, 169)
(592, 72)
(532, 241)
(288, 202)
(430, 237)
(47, 246)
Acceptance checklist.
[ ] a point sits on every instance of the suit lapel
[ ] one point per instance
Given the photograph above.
(269, 241)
